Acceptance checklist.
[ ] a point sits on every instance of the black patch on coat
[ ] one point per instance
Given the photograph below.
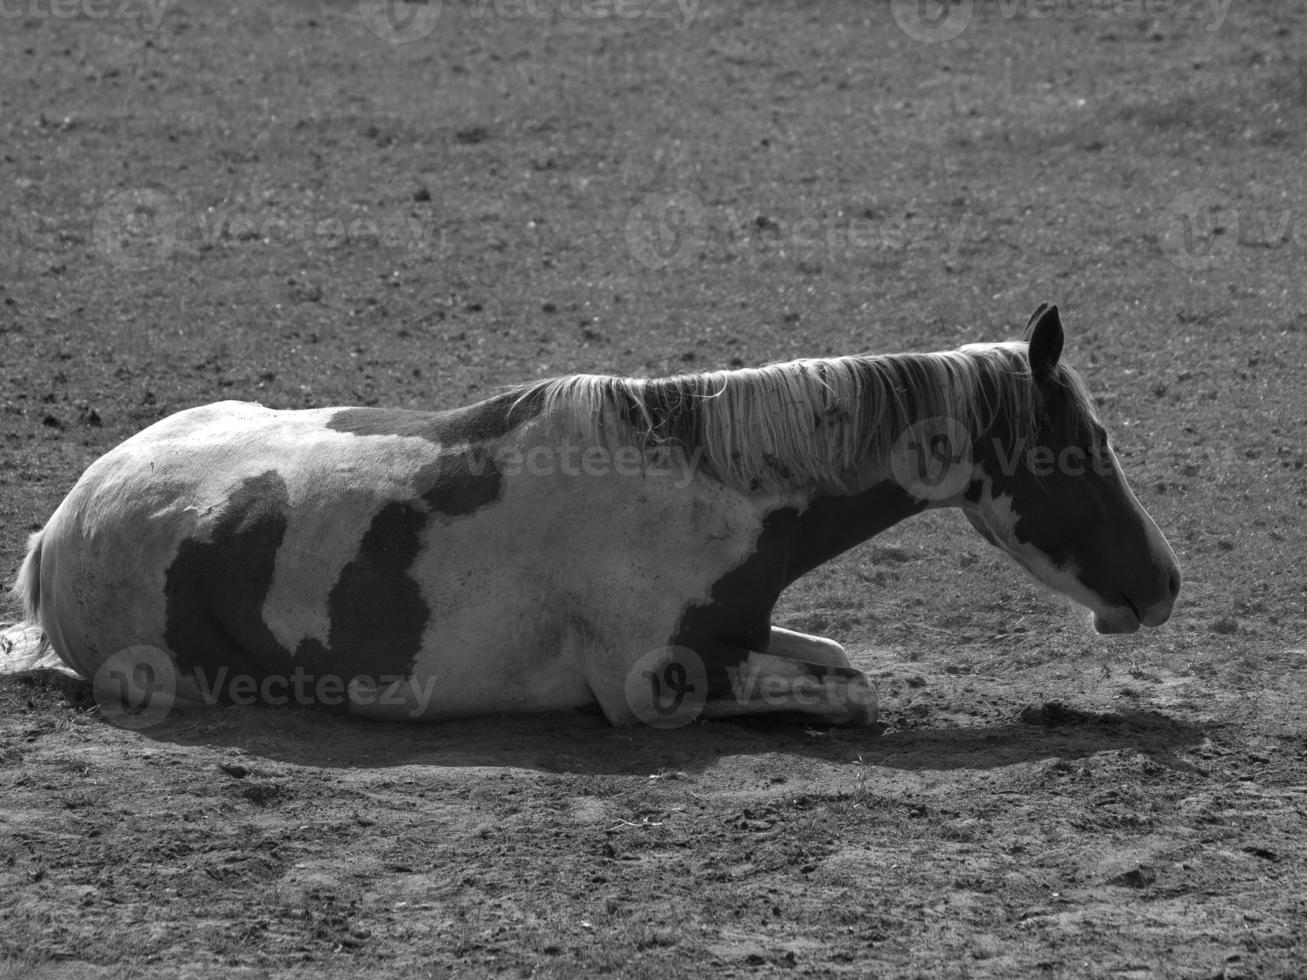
(465, 478)
(377, 610)
(378, 614)
(485, 421)
(462, 482)
(737, 619)
(215, 589)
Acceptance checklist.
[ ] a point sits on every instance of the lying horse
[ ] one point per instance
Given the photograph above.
(583, 540)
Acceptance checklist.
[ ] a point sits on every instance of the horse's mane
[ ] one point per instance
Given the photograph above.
(807, 422)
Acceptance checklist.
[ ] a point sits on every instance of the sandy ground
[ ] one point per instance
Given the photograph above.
(1037, 801)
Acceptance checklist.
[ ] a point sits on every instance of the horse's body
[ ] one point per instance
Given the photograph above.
(585, 540)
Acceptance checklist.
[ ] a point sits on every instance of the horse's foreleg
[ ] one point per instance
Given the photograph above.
(670, 686)
(764, 683)
(801, 646)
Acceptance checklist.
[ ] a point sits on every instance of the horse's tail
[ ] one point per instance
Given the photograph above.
(26, 645)
(28, 586)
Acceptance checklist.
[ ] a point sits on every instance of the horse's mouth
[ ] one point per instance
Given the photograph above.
(1126, 616)
(1117, 620)
(1123, 617)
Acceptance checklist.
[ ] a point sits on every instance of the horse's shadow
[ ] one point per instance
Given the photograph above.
(588, 745)
(585, 744)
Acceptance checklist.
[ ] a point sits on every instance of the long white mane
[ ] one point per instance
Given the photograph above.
(806, 422)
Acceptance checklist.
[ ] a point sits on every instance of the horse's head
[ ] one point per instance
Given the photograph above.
(1049, 491)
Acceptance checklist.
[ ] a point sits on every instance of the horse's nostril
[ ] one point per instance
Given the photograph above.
(1174, 583)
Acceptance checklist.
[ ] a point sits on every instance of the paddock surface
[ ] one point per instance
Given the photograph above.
(530, 190)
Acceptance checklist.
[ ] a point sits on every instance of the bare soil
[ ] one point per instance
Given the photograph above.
(1038, 800)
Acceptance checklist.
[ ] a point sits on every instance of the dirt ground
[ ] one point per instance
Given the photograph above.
(533, 189)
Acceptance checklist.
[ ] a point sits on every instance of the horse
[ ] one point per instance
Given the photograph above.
(587, 541)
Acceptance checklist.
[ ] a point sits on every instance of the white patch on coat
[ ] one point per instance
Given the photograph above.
(566, 581)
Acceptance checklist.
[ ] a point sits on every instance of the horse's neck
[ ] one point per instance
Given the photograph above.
(831, 524)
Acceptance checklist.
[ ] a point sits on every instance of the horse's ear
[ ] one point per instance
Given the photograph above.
(1034, 317)
(1046, 339)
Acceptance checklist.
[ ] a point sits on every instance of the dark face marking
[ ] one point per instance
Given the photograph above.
(737, 618)
(215, 589)
(1073, 503)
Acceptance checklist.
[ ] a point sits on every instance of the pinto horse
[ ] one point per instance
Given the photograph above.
(586, 540)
